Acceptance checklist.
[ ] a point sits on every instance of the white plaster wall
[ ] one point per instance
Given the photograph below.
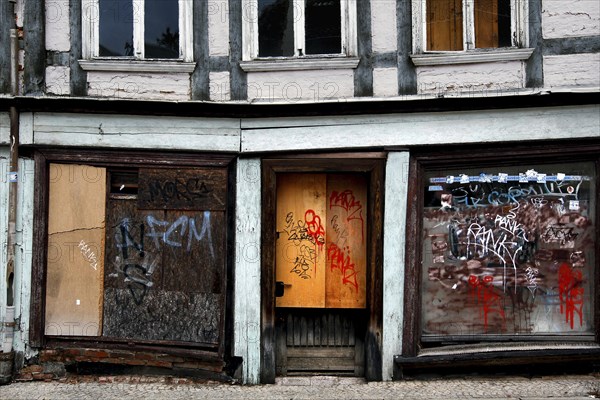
(58, 80)
(218, 27)
(295, 86)
(572, 70)
(385, 82)
(465, 79)
(570, 18)
(145, 86)
(220, 87)
(383, 26)
(58, 33)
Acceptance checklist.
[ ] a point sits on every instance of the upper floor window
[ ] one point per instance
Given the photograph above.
(299, 28)
(457, 25)
(137, 29)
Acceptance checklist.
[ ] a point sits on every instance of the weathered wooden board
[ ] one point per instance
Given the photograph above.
(346, 279)
(444, 25)
(163, 315)
(486, 23)
(74, 283)
(194, 254)
(182, 189)
(300, 246)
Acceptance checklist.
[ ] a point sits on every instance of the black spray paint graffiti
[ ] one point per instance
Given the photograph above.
(179, 189)
(139, 264)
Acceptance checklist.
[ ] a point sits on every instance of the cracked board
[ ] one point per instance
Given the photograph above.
(76, 222)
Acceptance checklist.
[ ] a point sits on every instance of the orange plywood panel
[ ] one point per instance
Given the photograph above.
(300, 247)
(346, 243)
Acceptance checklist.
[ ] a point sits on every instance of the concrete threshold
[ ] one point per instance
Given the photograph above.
(319, 380)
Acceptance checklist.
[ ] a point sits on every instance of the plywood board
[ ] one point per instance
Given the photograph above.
(194, 253)
(300, 247)
(75, 273)
(346, 282)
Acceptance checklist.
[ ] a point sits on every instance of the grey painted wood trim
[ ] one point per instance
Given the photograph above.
(201, 76)
(34, 66)
(137, 66)
(493, 126)
(219, 63)
(394, 233)
(299, 64)
(471, 57)
(572, 45)
(238, 78)
(4, 129)
(363, 74)
(247, 308)
(385, 60)
(78, 77)
(534, 70)
(23, 258)
(407, 73)
(58, 58)
(142, 132)
(6, 22)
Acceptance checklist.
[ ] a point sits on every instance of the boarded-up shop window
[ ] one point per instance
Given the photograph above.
(162, 254)
(509, 251)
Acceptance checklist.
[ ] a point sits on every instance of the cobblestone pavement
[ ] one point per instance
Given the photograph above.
(149, 388)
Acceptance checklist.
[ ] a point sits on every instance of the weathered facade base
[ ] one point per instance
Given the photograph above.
(521, 359)
(56, 363)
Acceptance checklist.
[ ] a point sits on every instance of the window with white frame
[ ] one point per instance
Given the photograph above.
(137, 29)
(460, 25)
(299, 28)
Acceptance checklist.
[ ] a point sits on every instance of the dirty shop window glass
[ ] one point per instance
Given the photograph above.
(289, 28)
(447, 20)
(123, 22)
(509, 251)
(136, 253)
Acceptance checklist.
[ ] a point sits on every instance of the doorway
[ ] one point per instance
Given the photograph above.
(321, 268)
(320, 273)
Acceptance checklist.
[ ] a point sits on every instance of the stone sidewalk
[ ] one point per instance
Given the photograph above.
(151, 388)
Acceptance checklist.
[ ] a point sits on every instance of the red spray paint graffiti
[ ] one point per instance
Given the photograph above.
(484, 293)
(340, 260)
(570, 293)
(314, 227)
(348, 202)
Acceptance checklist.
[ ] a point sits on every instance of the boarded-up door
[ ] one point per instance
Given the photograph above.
(321, 264)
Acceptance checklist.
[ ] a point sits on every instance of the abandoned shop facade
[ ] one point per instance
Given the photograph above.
(255, 189)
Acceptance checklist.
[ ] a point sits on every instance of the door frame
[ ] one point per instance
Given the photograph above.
(371, 163)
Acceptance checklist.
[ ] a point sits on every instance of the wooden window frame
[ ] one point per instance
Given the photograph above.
(519, 27)
(374, 165)
(474, 156)
(91, 34)
(43, 157)
(250, 32)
